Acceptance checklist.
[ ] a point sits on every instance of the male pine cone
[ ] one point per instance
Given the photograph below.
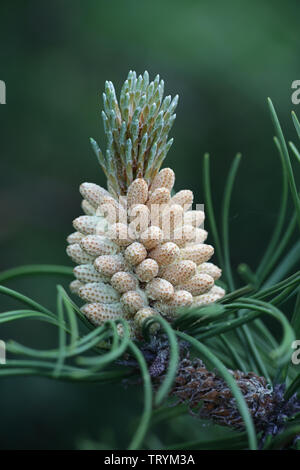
(140, 250)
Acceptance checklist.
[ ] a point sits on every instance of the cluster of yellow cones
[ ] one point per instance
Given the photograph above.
(140, 251)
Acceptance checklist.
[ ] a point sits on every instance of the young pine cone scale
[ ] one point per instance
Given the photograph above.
(209, 397)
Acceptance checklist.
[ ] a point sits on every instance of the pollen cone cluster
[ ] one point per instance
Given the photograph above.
(140, 249)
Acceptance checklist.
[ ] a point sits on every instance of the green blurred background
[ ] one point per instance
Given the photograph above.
(222, 58)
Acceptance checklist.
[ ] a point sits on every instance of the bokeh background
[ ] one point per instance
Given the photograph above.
(223, 58)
